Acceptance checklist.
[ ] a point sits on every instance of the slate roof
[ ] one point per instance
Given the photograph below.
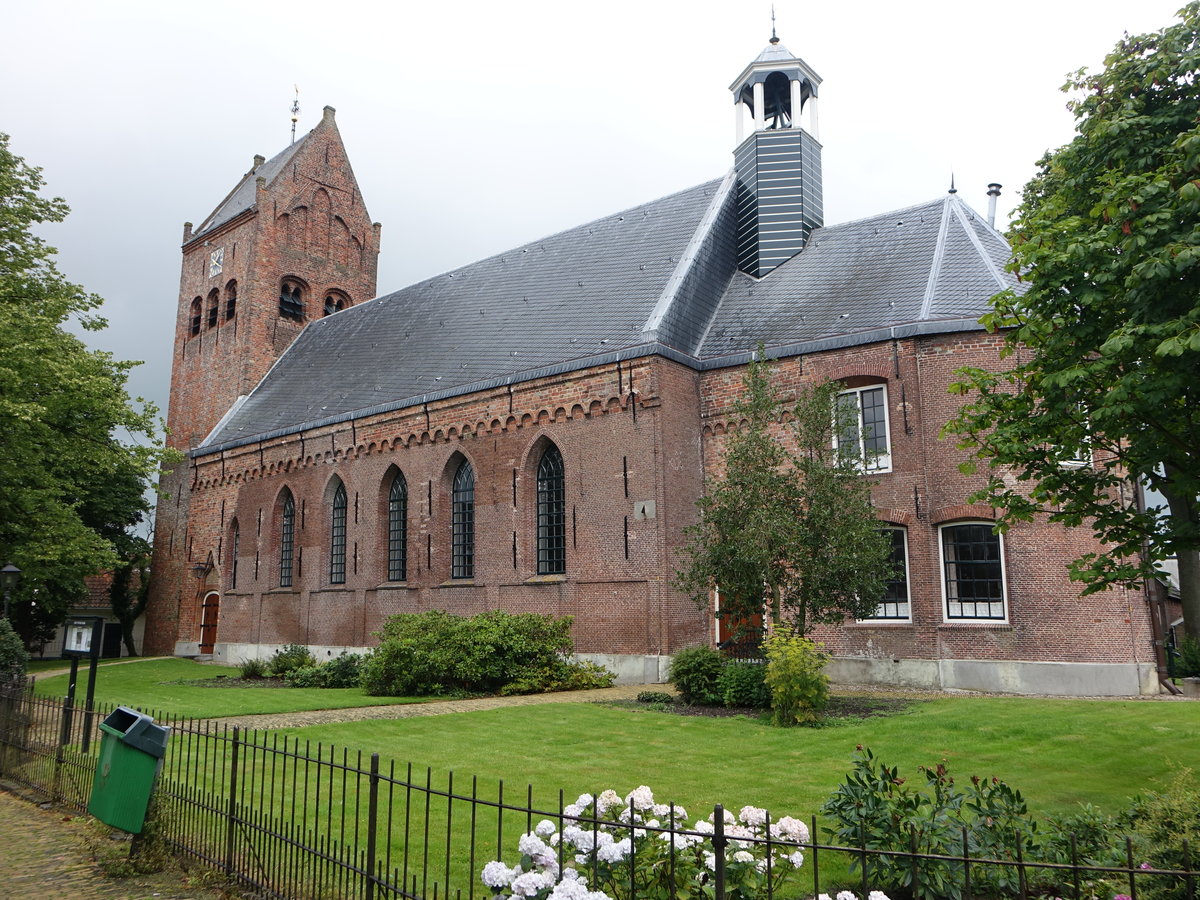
(935, 262)
(242, 197)
(658, 278)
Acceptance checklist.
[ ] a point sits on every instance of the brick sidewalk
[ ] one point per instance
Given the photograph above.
(50, 854)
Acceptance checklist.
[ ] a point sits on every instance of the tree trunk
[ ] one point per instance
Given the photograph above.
(1189, 592)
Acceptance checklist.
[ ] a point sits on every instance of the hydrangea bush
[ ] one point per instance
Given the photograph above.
(602, 853)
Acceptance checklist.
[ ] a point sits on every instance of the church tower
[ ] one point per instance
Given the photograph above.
(779, 165)
(292, 242)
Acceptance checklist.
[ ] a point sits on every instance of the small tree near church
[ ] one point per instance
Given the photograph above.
(789, 531)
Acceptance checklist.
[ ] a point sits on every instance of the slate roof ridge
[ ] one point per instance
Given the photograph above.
(274, 166)
(960, 211)
(687, 259)
(619, 214)
(935, 265)
(928, 204)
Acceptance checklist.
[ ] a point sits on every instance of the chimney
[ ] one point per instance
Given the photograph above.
(993, 193)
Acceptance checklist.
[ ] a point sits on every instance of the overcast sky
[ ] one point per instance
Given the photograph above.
(475, 125)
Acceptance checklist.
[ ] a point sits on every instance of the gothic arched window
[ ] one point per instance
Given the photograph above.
(235, 534)
(230, 300)
(213, 305)
(337, 537)
(197, 313)
(462, 523)
(551, 514)
(335, 302)
(397, 530)
(287, 539)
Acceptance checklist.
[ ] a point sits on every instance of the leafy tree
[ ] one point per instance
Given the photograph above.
(790, 526)
(75, 453)
(1102, 389)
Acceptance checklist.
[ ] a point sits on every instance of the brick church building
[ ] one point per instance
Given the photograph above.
(531, 432)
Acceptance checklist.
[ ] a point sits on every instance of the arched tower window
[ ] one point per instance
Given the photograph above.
(777, 100)
(213, 305)
(335, 301)
(337, 537)
(197, 313)
(397, 529)
(230, 300)
(291, 301)
(462, 523)
(551, 514)
(235, 534)
(287, 538)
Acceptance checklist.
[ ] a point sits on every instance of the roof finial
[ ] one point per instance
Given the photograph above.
(774, 37)
(953, 189)
(295, 112)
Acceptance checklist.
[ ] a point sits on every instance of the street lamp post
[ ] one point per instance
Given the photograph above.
(9, 576)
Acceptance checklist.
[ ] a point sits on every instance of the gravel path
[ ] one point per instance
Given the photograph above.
(433, 708)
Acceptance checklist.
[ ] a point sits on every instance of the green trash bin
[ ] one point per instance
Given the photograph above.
(131, 752)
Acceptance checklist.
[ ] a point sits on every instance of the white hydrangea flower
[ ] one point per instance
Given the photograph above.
(532, 845)
(824, 897)
(497, 875)
(846, 895)
(877, 895)
(796, 859)
(710, 861)
(569, 890)
(530, 884)
(753, 816)
(615, 852)
(743, 856)
(703, 827)
(607, 801)
(574, 810)
(584, 800)
(641, 798)
(544, 828)
(790, 829)
(661, 809)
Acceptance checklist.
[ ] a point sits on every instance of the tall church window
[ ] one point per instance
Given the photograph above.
(234, 537)
(462, 523)
(397, 525)
(213, 305)
(894, 603)
(197, 313)
(287, 538)
(291, 301)
(551, 514)
(337, 537)
(230, 300)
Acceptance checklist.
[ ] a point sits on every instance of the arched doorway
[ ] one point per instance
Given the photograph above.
(210, 607)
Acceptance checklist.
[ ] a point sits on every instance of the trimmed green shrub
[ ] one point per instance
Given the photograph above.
(13, 658)
(438, 653)
(1187, 663)
(253, 668)
(306, 677)
(343, 671)
(563, 675)
(696, 674)
(744, 684)
(291, 657)
(796, 677)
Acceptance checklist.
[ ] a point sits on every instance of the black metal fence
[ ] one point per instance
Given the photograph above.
(288, 818)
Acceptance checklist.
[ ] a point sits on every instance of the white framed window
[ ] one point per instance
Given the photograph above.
(973, 585)
(861, 429)
(895, 606)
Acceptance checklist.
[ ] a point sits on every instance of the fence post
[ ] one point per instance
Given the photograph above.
(912, 860)
(719, 842)
(966, 858)
(1188, 881)
(231, 812)
(372, 822)
(862, 841)
(1075, 865)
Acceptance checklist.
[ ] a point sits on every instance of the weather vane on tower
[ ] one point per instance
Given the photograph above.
(774, 38)
(295, 111)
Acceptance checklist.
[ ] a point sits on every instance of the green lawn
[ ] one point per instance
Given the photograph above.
(170, 685)
(1059, 753)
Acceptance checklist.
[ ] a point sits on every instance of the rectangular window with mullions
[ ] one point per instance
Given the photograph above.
(861, 429)
(973, 572)
(895, 603)
(551, 514)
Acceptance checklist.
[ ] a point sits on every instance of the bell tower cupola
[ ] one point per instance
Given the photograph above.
(778, 165)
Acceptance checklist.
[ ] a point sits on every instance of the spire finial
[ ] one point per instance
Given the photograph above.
(953, 189)
(774, 37)
(295, 111)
